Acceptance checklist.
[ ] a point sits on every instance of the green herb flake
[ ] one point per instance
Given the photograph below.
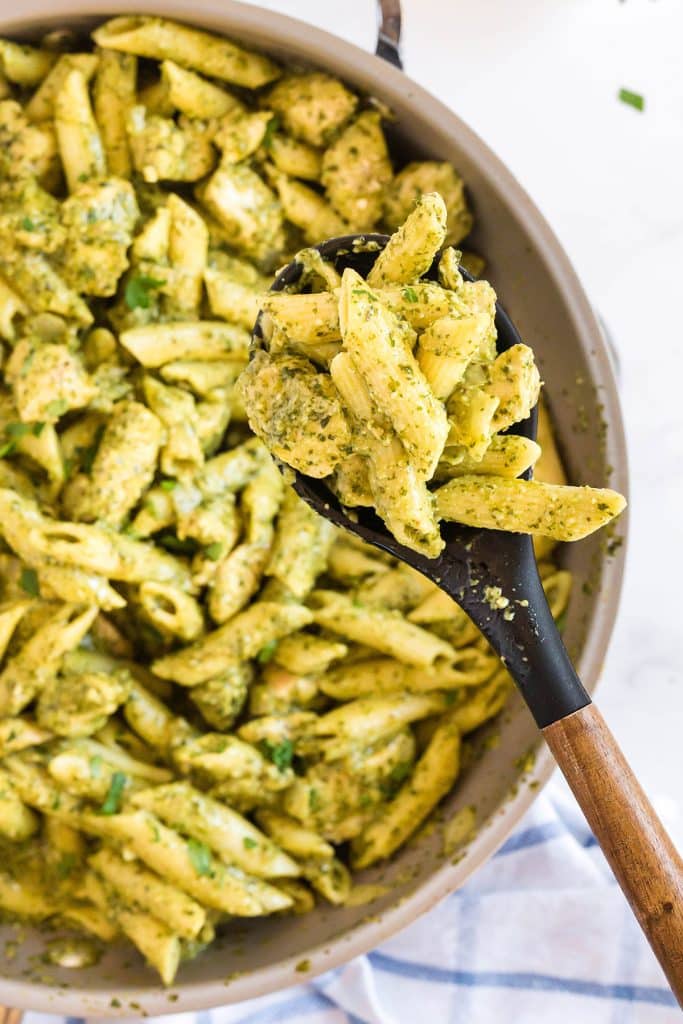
(313, 800)
(28, 581)
(200, 857)
(249, 843)
(168, 485)
(7, 449)
(400, 772)
(18, 430)
(280, 754)
(272, 127)
(213, 551)
(88, 454)
(65, 865)
(632, 99)
(27, 224)
(137, 291)
(396, 777)
(410, 295)
(267, 652)
(57, 408)
(112, 801)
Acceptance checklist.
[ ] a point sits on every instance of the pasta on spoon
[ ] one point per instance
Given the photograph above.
(405, 404)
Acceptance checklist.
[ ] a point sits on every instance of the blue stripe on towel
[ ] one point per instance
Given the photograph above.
(533, 836)
(627, 964)
(522, 980)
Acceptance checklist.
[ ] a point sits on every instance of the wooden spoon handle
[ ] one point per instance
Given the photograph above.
(10, 1016)
(639, 851)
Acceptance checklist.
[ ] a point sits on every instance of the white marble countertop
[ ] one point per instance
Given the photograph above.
(538, 80)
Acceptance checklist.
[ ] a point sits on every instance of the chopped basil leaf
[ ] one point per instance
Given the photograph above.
(27, 224)
(213, 551)
(200, 856)
(18, 430)
(267, 652)
(88, 454)
(7, 449)
(29, 582)
(313, 799)
(280, 754)
(168, 485)
(410, 295)
(137, 291)
(57, 408)
(65, 865)
(249, 843)
(112, 801)
(398, 774)
(632, 99)
(272, 126)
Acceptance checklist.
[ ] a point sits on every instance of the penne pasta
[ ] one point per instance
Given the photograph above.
(41, 106)
(528, 506)
(232, 837)
(114, 95)
(209, 340)
(240, 639)
(434, 775)
(163, 39)
(78, 137)
(382, 630)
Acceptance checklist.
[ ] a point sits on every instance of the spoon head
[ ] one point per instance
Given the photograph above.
(462, 542)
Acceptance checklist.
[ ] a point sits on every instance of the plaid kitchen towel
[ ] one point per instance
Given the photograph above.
(540, 935)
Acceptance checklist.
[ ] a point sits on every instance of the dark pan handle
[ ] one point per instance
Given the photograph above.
(389, 32)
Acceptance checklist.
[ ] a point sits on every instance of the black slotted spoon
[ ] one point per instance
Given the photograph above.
(638, 849)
